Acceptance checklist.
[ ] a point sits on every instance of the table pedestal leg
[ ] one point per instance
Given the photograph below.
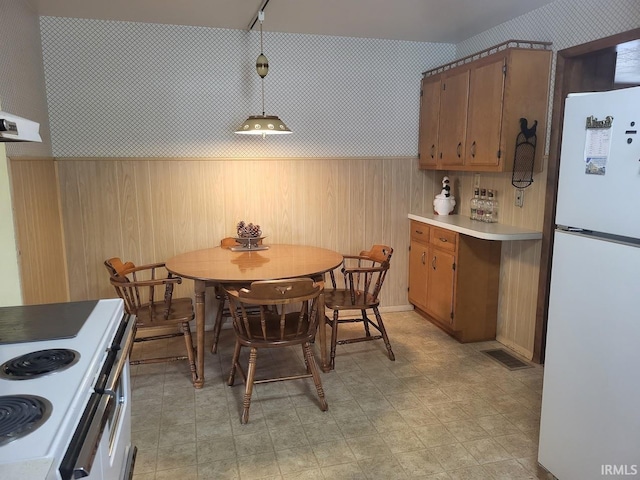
(200, 319)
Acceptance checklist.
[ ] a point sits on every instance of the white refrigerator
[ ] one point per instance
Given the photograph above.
(590, 418)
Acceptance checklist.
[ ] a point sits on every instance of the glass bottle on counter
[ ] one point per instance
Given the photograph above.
(474, 204)
(494, 207)
(480, 209)
(488, 207)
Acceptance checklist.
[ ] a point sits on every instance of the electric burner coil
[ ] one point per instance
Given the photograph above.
(21, 415)
(36, 364)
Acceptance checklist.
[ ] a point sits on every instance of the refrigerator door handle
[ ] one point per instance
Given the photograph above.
(607, 237)
(565, 228)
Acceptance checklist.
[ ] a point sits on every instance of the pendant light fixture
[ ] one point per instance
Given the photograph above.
(262, 124)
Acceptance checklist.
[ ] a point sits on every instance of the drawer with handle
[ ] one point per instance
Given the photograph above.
(443, 239)
(420, 232)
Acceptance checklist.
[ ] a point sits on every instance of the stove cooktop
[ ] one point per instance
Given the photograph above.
(67, 390)
(33, 323)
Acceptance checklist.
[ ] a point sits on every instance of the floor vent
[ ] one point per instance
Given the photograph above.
(505, 359)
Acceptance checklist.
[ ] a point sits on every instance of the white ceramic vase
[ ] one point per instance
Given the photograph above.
(444, 205)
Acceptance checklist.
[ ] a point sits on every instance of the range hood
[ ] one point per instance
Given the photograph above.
(18, 129)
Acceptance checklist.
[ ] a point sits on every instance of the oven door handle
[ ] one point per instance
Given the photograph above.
(122, 357)
(87, 454)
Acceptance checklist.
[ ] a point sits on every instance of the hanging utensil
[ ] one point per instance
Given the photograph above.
(525, 154)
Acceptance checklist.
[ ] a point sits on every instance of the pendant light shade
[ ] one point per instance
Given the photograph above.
(262, 124)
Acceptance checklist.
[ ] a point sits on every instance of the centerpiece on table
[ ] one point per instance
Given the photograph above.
(248, 235)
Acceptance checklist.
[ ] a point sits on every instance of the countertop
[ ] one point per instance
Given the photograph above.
(487, 231)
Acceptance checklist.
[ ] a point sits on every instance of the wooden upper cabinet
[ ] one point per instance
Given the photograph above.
(482, 99)
(453, 108)
(526, 95)
(484, 119)
(429, 118)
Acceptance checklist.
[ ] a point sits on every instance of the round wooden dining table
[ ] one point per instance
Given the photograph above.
(220, 265)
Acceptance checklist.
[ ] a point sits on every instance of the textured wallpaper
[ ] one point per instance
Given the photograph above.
(137, 89)
(564, 22)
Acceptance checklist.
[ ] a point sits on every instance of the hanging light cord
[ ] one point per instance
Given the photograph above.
(261, 53)
(255, 18)
(255, 124)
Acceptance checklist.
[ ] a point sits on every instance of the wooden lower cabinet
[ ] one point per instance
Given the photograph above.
(453, 281)
(418, 272)
(441, 285)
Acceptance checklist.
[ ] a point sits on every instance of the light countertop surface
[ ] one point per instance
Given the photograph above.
(487, 231)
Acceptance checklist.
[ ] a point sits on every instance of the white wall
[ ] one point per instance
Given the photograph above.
(10, 292)
(22, 93)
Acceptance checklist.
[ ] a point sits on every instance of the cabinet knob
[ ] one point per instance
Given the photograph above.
(433, 262)
(424, 254)
(433, 150)
(473, 149)
(459, 149)
(442, 239)
(419, 232)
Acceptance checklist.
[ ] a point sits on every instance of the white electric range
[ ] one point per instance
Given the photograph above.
(74, 422)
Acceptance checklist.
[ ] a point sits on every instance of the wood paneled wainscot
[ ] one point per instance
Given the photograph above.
(39, 234)
(470, 109)
(454, 273)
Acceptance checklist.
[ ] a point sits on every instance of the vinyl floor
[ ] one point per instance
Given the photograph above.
(442, 410)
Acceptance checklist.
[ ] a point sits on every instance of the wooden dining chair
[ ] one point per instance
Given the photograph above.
(147, 291)
(223, 308)
(287, 316)
(362, 278)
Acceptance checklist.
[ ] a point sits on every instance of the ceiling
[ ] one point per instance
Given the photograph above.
(440, 21)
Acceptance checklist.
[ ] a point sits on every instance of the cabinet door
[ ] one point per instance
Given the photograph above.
(429, 117)
(441, 280)
(484, 118)
(453, 118)
(418, 258)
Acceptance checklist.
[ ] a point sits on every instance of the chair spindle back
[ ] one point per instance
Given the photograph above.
(287, 309)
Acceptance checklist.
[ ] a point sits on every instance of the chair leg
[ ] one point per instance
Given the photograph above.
(334, 339)
(306, 361)
(366, 321)
(313, 366)
(234, 364)
(217, 326)
(251, 374)
(186, 331)
(383, 331)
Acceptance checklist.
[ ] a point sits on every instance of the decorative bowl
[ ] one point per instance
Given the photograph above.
(249, 242)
